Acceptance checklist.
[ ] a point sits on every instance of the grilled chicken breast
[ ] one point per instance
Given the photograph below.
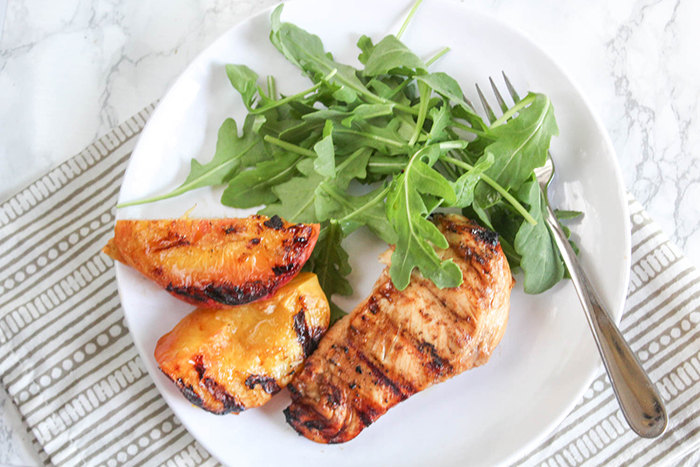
(232, 359)
(396, 343)
(215, 262)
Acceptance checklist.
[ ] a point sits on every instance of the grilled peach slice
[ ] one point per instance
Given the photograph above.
(215, 262)
(232, 359)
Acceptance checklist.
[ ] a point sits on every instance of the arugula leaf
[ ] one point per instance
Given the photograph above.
(441, 119)
(540, 259)
(391, 55)
(566, 215)
(425, 92)
(386, 165)
(364, 43)
(353, 167)
(407, 211)
(329, 261)
(306, 52)
(368, 112)
(231, 153)
(325, 162)
(521, 146)
(346, 117)
(445, 85)
(254, 187)
(393, 125)
(464, 186)
(352, 212)
(245, 81)
(385, 139)
(296, 196)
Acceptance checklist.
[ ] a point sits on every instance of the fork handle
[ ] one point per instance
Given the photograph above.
(638, 398)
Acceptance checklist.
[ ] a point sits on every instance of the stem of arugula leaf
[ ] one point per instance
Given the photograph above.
(381, 139)
(351, 158)
(399, 88)
(361, 90)
(280, 102)
(464, 127)
(402, 107)
(425, 92)
(184, 188)
(388, 167)
(289, 146)
(344, 202)
(408, 19)
(436, 57)
(271, 88)
(514, 202)
(374, 200)
(512, 111)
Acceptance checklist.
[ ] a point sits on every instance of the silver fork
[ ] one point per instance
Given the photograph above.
(640, 402)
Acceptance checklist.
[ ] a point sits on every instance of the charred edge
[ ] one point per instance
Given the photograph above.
(308, 338)
(284, 269)
(303, 418)
(290, 418)
(188, 391)
(384, 380)
(269, 385)
(227, 295)
(293, 391)
(186, 292)
(481, 234)
(486, 236)
(365, 418)
(220, 394)
(274, 223)
(254, 241)
(199, 366)
(230, 230)
(437, 363)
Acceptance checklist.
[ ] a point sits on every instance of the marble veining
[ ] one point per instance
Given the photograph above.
(72, 70)
(657, 133)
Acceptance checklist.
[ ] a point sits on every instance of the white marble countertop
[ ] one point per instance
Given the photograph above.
(72, 70)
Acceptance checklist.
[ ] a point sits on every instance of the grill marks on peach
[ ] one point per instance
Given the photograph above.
(231, 359)
(217, 262)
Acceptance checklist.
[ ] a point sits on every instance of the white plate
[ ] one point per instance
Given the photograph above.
(484, 417)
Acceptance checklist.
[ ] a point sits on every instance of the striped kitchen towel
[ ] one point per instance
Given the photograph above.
(70, 366)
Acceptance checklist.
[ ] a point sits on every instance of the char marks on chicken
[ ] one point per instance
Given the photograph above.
(396, 343)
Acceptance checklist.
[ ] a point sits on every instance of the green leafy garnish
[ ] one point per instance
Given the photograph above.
(232, 153)
(407, 211)
(383, 147)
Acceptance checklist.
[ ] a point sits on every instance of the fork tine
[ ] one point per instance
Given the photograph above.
(485, 105)
(511, 89)
(499, 98)
(469, 103)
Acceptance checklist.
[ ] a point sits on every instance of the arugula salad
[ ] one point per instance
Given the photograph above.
(383, 147)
